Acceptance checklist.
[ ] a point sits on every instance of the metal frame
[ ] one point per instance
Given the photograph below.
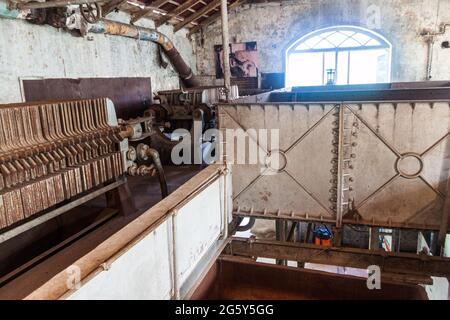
(9, 234)
(385, 44)
(399, 263)
(273, 214)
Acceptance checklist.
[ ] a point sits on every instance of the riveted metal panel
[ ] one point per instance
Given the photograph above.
(371, 163)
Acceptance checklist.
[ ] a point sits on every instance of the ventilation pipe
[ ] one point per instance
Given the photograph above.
(121, 29)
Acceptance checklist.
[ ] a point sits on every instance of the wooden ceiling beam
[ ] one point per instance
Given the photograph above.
(177, 11)
(111, 5)
(197, 15)
(212, 18)
(153, 5)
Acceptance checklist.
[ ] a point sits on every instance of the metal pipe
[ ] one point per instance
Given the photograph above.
(226, 46)
(248, 226)
(51, 4)
(152, 153)
(430, 40)
(7, 12)
(126, 30)
(430, 58)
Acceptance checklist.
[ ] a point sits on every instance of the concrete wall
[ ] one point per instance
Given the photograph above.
(31, 51)
(276, 24)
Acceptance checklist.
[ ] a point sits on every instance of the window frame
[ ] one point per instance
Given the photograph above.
(384, 44)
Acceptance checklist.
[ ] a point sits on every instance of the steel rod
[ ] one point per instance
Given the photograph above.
(225, 46)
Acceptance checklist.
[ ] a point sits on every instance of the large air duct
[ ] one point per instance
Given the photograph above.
(145, 34)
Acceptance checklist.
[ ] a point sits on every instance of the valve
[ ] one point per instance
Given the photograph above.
(91, 12)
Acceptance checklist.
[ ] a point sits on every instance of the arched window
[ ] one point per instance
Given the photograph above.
(342, 54)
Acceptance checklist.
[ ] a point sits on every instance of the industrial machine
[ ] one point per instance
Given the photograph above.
(360, 162)
(328, 149)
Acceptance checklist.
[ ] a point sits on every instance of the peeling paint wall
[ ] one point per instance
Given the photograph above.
(276, 24)
(31, 51)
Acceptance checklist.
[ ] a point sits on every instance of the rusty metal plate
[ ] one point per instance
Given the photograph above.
(131, 96)
(384, 164)
(302, 189)
(54, 151)
(401, 162)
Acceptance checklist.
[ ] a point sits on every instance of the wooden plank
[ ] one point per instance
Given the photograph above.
(110, 6)
(399, 263)
(105, 215)
(197, 15)
(154, 5)
(213, 18)
(179, 10)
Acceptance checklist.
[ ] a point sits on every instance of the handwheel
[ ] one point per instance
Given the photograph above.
(91, 12)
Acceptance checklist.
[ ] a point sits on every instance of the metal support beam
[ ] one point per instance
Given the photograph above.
(400, 263)
(226, 47)
(445, 218)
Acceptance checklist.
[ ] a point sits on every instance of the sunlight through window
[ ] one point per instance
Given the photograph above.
(352, 54)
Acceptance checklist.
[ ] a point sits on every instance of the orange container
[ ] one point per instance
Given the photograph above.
(322, 242)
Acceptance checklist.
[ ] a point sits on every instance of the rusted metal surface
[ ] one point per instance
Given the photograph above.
(360, 93)
(396, 263)
(52, 151)
(233, 279)
(370, 163)
(126, 30)
(131, 96)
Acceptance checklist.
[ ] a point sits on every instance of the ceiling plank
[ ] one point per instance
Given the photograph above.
(153, 5)
(179, 10)
(197, 15)
(213, 18)
(110, 6)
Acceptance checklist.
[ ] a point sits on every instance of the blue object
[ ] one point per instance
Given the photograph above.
(323, 233)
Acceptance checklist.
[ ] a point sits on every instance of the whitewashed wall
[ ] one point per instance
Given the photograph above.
(31, 51)
(274, 25)
(168, 261)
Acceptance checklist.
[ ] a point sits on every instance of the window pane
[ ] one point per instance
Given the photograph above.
(337, 38)
(350, 42)
(305, 69)
(373, 42)
(312, 42)
(329, 63)
(351, 66)
(324, 44)
(369, 66)
(361, 38)
(342, 69)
